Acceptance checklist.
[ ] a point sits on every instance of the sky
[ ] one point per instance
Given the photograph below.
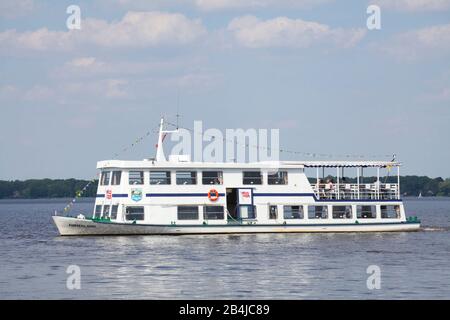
(69, 98)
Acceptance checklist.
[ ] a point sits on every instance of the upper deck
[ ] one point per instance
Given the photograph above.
(268, 165)
(295, 180)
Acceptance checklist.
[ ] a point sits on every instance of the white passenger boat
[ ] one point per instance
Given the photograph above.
(178, 196)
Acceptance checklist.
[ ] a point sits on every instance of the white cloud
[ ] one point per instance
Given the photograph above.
(38, 93)
(107, 88)
(85, 62)
(209, 5)
(15, 8)
(92, 67)
(412, 45)
(8, 92)
(136, 29)
(414, 5)
(251, 32)
(192, 81)
(115, 88)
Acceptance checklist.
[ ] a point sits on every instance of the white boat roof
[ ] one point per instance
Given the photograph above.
(150, 163)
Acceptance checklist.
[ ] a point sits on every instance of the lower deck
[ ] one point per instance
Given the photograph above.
(75, 226)
(256, 214)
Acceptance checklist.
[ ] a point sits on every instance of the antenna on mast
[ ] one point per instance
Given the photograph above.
(178, 106)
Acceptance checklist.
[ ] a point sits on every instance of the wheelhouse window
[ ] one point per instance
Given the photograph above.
(116, 177)
(212, 177)
(366, 212)
(252, 177)
(273, 212)
(136, 177)
(390, 212)
(98, 211)
(104, 180)
(280, 177)
(186, 177)
(114, 210)
(160, 177)
(213, 213)
(187, 213)
(105, 211)
(342, 212)
(293, 212)
(317, 212)
(134, 213)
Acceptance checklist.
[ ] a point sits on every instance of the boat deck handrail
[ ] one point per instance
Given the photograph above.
(352, 191)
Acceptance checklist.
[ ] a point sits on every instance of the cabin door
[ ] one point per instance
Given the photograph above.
(232, 203)
(240, 203)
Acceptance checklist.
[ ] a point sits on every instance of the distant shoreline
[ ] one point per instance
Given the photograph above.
(410, 186)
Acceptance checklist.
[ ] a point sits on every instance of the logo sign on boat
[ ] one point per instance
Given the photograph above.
(136, 194)
(108, 194)
(245, 196)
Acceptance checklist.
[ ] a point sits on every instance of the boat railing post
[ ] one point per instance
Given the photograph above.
(317, 183)
(337, 184)
(357, 183)
(377, 187)
(398, 182)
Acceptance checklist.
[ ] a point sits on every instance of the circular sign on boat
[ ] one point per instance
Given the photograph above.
(213, 195)
(108, 194)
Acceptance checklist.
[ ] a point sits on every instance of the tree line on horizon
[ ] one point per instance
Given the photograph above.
(67, 188)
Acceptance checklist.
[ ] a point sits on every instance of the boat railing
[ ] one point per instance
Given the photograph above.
(352, 191)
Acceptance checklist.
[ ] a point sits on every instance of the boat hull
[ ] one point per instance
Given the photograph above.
(76, 227)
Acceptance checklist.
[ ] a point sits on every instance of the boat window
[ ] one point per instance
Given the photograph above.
(293, 212)
(213, 213)
(160, 177)
(390, 212)
(116, 176)
(186, 177)
(212, 177)
(98, 211)
(134, 213)
(187, 213)
(105, 211)
(136, 177)
(342, 212)
(317, 212)
(366, 212)
(114, 210)
(252, 177)
(273, 212)
(247, 212)
(104, 180)
(280, 177)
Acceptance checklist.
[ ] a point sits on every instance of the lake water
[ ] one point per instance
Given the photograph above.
(34, 261)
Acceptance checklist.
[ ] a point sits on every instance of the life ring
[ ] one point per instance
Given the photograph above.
(213, 195)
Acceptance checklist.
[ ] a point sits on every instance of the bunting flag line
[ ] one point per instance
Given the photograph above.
(307, 154)
(79, 193)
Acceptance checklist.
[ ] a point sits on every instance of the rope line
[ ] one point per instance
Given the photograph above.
(283, 150)
(80, 193)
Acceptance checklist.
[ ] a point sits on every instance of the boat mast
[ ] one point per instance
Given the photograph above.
(160, 156)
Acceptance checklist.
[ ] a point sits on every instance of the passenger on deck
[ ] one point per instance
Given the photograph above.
(320, 189)
(397, 211)
(329, 188)
(329, 185)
